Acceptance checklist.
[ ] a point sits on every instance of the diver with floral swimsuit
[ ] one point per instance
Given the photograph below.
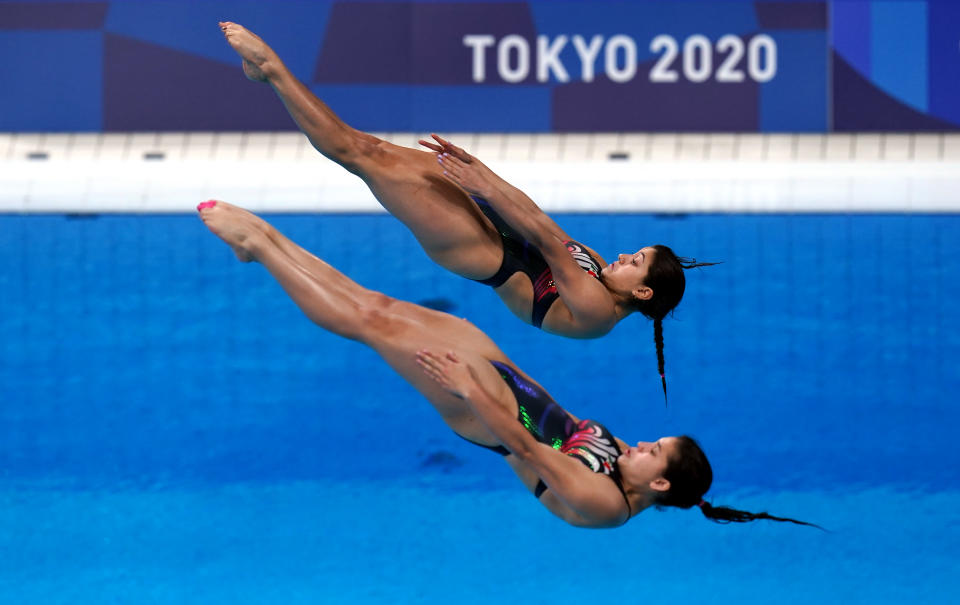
(469, 381)
(586, 440)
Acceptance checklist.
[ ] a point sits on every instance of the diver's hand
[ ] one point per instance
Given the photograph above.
(473, 176)
(448, 371)
(444, 146)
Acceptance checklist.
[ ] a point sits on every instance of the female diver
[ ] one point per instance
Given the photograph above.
(498, 236)
(577, 469)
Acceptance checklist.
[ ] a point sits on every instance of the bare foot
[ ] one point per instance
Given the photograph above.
(255, 53)
(237, 227)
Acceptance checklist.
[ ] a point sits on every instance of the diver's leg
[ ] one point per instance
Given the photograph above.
(326, 296)
(394, 328)
(408, 183)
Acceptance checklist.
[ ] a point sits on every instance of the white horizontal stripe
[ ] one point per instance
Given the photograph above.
(280, 172)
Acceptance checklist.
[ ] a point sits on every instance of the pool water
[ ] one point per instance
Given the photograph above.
(175, 431)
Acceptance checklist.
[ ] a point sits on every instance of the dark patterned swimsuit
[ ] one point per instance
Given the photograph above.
(587, 441)
(520, 256)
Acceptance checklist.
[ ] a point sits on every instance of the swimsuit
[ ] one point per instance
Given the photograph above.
(520, 256)
(587, 441)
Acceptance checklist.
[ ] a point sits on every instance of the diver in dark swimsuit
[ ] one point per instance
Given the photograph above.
(520, 256)
(429, 192)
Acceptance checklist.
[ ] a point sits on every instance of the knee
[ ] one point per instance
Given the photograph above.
(374, 316)
(359, 150)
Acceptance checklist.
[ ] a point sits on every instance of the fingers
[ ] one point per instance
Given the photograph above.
(444, 144)
(430, 360)
(425, 356)
(452, 149)
(431, 146)
(449, 161)
(429, 357)
(428, 363)
(459, 153)
(452, 167)
(444, 370)
(437, 369)
(458, 172)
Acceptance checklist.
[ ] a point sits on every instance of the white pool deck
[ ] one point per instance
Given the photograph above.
(171, 172)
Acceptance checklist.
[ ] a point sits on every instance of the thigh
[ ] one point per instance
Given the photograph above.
(405, 328)
(450, 227)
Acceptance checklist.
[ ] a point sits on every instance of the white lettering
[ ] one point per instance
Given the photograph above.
(588, 55)
(478, 43)
(629, 69)
(728, 71)
(661, 71)
(697, 58)
(518, 43)
(620, 58)
(766, 71)
(548, 59)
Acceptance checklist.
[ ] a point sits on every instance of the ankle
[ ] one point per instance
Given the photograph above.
(256, 243)
(273, 68)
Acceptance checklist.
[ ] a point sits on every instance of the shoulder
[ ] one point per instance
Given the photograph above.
(614, 518)
(599, 505)
(589, 321)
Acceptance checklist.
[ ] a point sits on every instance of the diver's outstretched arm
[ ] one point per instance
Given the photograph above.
(579, 497)
(515, 206)
(590, 305)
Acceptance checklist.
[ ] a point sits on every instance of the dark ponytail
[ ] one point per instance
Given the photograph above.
(658, 341)
(690, 476)
(722, 514)
(665, 278)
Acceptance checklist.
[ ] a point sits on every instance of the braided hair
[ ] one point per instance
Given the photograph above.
(665, 277)
(690, 476)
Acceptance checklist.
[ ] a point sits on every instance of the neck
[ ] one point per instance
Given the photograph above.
(622, 303)
(639, 499)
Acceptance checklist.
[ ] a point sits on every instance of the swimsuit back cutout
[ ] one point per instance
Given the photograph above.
(588, 441)
(519, 256)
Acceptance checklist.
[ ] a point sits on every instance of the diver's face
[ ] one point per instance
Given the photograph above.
(629, 272)
(644, 464)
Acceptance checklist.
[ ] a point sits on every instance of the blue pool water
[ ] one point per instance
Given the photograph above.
(174, 431)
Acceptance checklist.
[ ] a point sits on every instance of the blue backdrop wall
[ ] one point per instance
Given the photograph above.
(535, 66)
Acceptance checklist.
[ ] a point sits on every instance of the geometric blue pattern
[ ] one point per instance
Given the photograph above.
(86, 66)
(898, 50)
(52, 81)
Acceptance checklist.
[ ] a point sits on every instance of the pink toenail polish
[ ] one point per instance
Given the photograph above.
(206, 204)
